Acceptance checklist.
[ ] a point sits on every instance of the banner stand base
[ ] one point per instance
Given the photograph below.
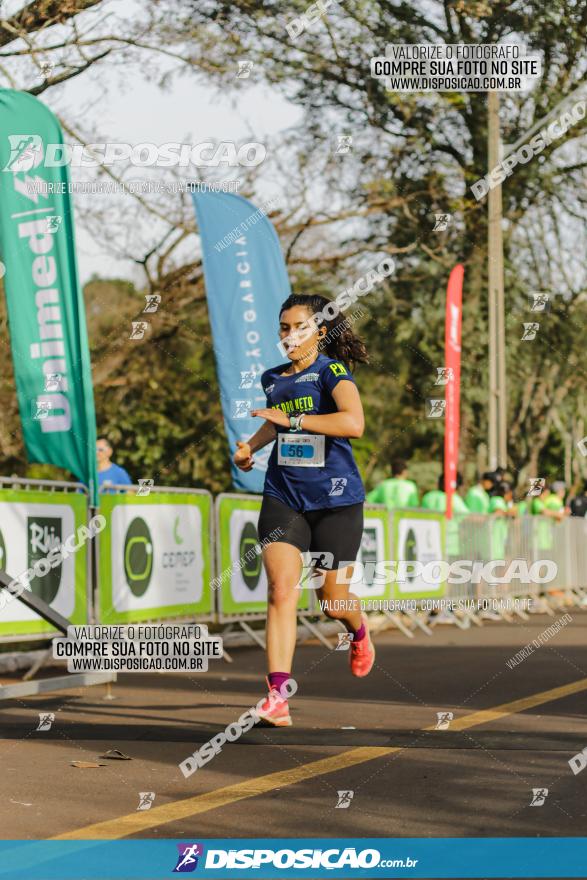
(55, 683)
(395, 618)
(38, 664)
(62, 682)
(315, 631)
(417, 621)
(36, 604)
(253, 634)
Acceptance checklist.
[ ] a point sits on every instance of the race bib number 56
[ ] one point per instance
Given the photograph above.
(300, 450)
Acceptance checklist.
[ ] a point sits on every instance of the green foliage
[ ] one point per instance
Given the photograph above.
(157, 399)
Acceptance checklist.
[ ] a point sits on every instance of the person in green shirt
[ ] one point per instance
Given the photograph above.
(548, 506)
(501, 500)
(477, 498)
(478, 502)
(556, 499)
(522, 506)
(436, 500)
(398, 491)
(502, 508)
(501, 503)
(550, 501)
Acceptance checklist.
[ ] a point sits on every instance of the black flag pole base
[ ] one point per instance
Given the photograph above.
(36, 604)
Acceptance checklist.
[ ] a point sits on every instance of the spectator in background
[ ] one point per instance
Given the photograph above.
(578, 505)
(522, 505)
(477, 498)
(499, 476)
(550, 501)
(436, 499)
(549, 509)
(501, 500)
(501, 505)
(557, 497)
(398, 491)
(109, 474)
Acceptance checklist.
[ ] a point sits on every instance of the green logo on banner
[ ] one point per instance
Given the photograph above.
(411, 551)
(251, 562)
(176, 536)
(3, 562)
(138, 556)
(43, 535)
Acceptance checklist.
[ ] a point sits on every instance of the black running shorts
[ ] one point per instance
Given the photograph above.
(334, 530)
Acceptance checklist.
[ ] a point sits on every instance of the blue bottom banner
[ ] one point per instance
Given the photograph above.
(297, 857)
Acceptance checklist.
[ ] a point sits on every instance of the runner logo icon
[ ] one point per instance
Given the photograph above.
(187, 860)
(26, 151)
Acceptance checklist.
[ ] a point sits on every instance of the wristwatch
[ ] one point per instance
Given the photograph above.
(295, 423)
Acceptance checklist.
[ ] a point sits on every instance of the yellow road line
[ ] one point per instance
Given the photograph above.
(485, 715)
(201, 803)
(137, 822)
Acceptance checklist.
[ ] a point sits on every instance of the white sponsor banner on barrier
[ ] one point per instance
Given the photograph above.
(156, 556)
(372, 550)
(249, 582)
(419, 540)
(28, 532)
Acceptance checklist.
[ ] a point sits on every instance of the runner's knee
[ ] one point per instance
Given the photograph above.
(282, 591)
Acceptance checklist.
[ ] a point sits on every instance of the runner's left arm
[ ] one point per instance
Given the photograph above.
(347, 422)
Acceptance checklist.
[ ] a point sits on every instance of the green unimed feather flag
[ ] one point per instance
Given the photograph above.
(48, 335)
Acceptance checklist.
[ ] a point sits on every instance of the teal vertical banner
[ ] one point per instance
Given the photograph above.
(246, 282)
(46, 313)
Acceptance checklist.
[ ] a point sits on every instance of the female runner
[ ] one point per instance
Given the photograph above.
(313, 496)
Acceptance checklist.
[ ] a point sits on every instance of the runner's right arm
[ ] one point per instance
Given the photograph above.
(263, 436)
(243, 457)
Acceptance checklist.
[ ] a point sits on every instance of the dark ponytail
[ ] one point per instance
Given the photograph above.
(340, 343)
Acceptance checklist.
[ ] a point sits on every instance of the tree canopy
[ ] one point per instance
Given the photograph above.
(410, 157)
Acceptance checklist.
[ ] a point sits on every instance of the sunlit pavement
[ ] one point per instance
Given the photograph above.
(476, 781)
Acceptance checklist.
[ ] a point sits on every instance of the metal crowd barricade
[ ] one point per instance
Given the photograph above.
(241, 583)
(232, 576)
(418, 536)
(16, 543)
(544, 560)
(22, 484)
(508, 567)
(579, 556)
(126, 587)
(570, 555)
(156, 553)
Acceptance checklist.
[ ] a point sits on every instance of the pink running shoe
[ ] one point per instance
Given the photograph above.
(362, 653)
(274, 709)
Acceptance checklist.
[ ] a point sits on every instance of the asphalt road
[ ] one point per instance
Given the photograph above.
(366, 736)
